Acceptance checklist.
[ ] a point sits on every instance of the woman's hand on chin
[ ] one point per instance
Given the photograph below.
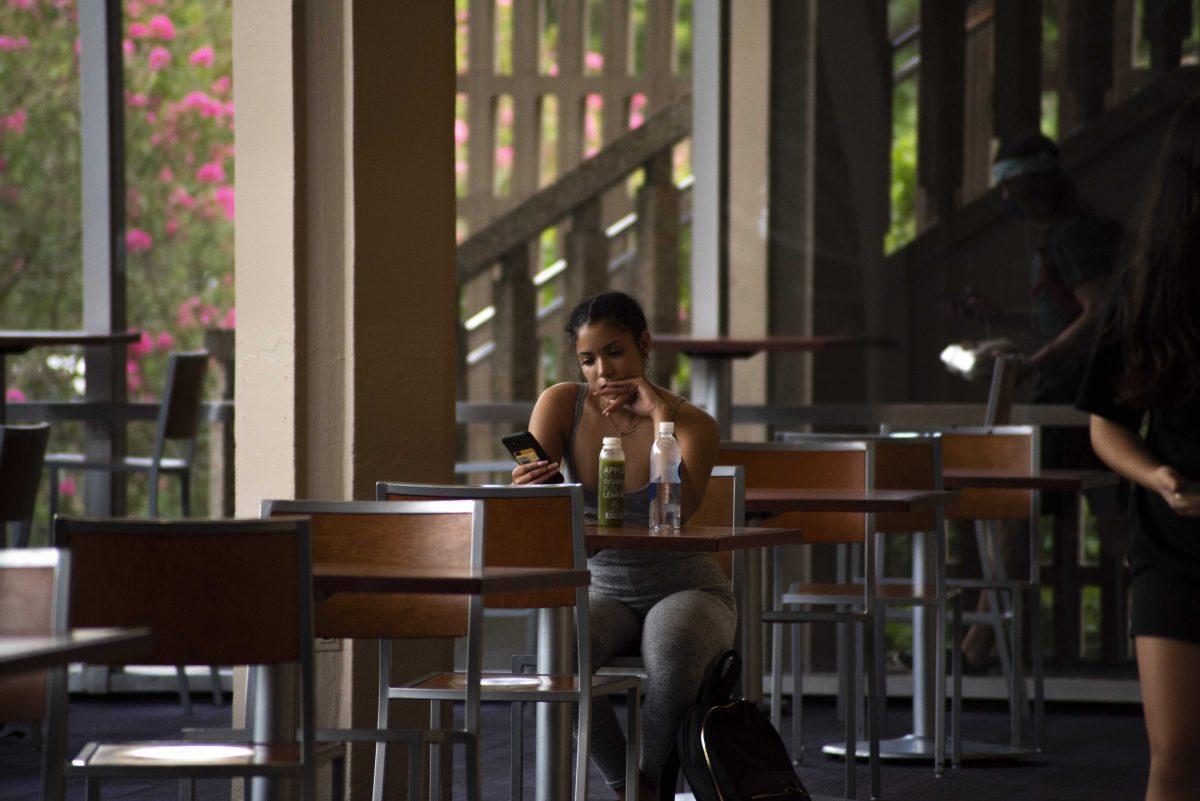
(635, 394)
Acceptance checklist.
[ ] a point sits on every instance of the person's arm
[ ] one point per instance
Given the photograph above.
(1123, 450)
(1074, 340)
(552, 417)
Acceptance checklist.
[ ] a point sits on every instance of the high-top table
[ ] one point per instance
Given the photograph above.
(712, 361)
(765, 503)
(21, 653)
(14, 342)
(276, 719)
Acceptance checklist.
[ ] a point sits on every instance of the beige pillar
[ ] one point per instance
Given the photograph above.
(346, 290)
(749, 193)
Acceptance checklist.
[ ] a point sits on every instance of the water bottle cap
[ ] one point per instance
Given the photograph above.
(612, 442)
(666, 427)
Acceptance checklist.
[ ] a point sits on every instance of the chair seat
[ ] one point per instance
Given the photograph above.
(843, 593)
(512, 686)
(173, 758)
(129, 464)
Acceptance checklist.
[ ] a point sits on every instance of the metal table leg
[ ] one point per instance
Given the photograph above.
(556, 631)
(274, 720)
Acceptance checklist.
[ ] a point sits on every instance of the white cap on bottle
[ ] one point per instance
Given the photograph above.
(666, 427)
(612, 442)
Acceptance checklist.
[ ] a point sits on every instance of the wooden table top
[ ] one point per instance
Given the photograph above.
(741, 347)
(688, 538)
(330, 578)
(20, 653)
(1065, 480)
(778, 501)
(21, 341)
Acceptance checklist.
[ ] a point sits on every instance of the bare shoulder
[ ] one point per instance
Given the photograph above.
(699, 423)
(555, 407)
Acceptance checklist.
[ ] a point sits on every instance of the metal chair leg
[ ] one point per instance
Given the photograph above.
(185, 692)
(1018, 671)
(187, 789)
(633, 741)
(777, 675)
(873, 663)
(956, 699)
(516, 737)
(218, 693)
(415, 770)
(583, 737)
(797, 696)
(381, 719)
(91, 789)
(185, 492)
(850, 706)
(436, 713)
(1039, 687)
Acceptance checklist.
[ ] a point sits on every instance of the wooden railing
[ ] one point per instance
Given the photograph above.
(499, 334)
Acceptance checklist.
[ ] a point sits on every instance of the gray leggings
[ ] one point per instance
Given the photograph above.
(678, 637)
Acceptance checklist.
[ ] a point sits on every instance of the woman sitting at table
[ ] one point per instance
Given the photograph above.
(676, 608)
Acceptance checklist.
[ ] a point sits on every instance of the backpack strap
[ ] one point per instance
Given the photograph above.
(720, 678)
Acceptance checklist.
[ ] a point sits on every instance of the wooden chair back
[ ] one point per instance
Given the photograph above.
(405, 534)
(723, 505)
(179, 413)
(991, 448)
(810, 465)
(213, 592)
(33, 600)
(534, 526)
(22, 450)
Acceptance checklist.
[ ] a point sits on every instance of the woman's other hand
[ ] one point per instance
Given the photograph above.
(1170, 484)
(635, 394)
(534, 472)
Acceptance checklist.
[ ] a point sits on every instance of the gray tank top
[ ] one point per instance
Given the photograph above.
(641, 578)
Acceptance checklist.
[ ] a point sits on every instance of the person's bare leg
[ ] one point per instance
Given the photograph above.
(1169, 672)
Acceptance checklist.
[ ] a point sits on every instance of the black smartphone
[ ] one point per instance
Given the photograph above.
(525, 448)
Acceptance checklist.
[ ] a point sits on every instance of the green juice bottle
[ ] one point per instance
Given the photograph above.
(611, 490)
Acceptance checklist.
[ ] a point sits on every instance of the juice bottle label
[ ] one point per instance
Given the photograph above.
(611, 511)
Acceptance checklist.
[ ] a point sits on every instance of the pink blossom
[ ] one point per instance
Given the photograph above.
(230, 319)
(68, 486)
(594, 102)
(164, 340)
(504, 3)
(14, 395)
(220, 85)
(78, 46)
(552, 70)
(460, 167)
(24, 5)
(593, 61)
(14, 122)
(186, 314)
(504, 156)
(137, 240)
(128, 46)
(228, 108)
(207, 315)
(11, 43)
(172, 227)
(162, 27)
(224, 196)
(461, 131)
(202, 57)
(636, 118)
(143, 346)
(151, 118)
(210, 173)
(506, 114)
(159, 57)
(207, 106)
(180, 197)
(135, 99)
(10, 194)
(133, 8)
(138, 30)
(133, 375)
(165, 175)
(638, 101)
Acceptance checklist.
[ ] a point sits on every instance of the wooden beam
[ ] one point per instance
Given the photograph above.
(1017, 80)
(940, 105)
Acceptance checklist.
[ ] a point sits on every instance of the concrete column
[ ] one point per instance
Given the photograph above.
(749, 194)
(346, 289)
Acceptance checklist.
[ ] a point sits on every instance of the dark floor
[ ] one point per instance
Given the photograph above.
(1095, 753)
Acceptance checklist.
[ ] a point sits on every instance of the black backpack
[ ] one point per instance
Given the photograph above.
(728, 749)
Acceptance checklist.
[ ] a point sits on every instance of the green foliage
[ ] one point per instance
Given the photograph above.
(903, 226)
(179, 204)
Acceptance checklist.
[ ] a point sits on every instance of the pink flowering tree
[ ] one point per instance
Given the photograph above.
(180, 203)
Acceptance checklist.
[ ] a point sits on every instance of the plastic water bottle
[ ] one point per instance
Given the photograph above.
(665, 459)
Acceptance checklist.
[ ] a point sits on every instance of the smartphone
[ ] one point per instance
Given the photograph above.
(525, 448)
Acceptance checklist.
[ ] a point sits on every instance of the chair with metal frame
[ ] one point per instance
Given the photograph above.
(178, 420)
(527, 527)
(33, 600)
(22, 450)
(1015, 448)
(229, 592)
(901, 462)
(412, 534)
